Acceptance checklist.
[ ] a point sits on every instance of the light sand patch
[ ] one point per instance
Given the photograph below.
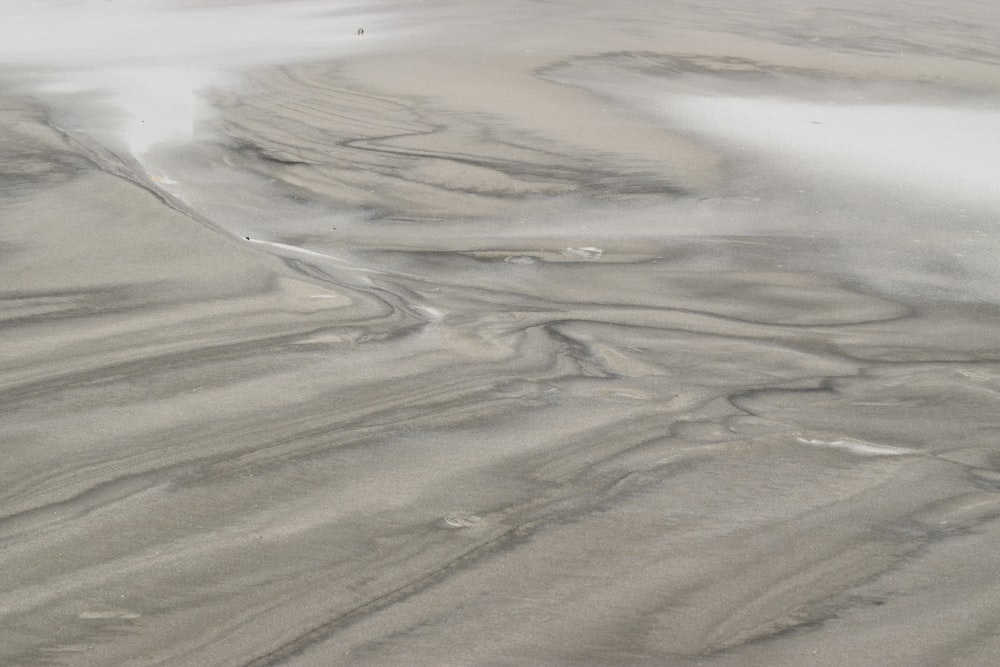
(942, 150)
(857, 447)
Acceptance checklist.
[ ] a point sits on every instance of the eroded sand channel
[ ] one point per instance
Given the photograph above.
(542, 334)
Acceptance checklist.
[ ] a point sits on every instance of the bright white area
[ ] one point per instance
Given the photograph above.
(150, 57)
(157, 104)
(944, 150)
(858, 447)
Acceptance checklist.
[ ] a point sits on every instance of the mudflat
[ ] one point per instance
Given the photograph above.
(531, 333)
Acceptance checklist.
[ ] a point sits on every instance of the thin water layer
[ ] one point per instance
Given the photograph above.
(543, 333)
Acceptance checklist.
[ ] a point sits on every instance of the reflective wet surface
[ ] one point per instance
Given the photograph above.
(543, 333)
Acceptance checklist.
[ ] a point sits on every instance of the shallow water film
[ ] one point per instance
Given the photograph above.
(512, 333)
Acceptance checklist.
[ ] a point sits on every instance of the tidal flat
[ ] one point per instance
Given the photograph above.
(520, 333)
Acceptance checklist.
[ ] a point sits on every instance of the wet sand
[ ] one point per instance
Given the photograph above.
(545, 333)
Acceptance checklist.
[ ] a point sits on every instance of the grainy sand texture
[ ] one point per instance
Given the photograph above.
(512, 333)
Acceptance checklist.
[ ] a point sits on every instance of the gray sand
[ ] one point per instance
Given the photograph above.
(537, 333)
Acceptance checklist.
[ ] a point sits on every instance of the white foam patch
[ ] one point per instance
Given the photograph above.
(944, 149)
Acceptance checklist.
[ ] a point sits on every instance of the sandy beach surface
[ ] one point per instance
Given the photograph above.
(512, 333)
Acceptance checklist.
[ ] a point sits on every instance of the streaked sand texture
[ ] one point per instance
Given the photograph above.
(519, 333)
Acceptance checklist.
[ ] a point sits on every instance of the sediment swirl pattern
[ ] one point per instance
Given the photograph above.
(481, 354)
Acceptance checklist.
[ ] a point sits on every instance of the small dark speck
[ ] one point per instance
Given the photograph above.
(361, 31)
(247, 238)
